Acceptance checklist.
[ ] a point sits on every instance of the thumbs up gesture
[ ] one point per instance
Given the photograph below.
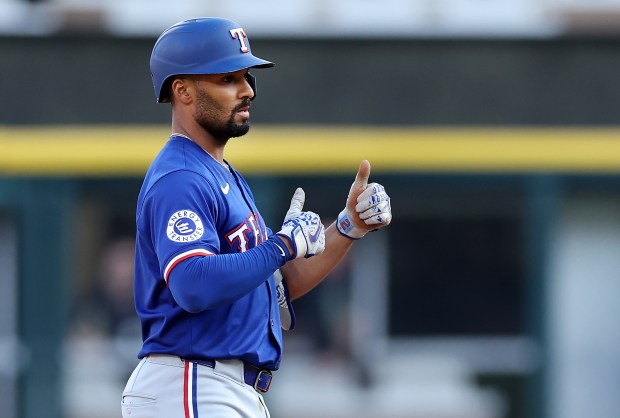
(304, 230)
(368, 206)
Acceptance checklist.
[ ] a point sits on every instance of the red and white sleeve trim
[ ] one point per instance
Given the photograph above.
(184, 256)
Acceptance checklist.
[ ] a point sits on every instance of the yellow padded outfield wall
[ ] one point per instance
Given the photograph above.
(128, 150)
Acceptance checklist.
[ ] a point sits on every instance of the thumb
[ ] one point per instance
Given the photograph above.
(361, 179)
(359, 185)
(297, 203)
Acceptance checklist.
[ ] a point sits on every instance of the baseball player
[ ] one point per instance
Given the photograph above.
(214, 284)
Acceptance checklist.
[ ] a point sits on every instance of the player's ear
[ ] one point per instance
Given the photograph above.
(180, 90)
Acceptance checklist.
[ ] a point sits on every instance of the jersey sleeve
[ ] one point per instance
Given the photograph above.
(181, 210)
(201, 283)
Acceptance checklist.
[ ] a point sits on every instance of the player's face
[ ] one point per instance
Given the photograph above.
(223, 104)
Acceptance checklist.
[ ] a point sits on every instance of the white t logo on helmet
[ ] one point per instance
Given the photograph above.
(240, 35)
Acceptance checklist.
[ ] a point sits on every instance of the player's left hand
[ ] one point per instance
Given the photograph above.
(368, 206)
(304, 230)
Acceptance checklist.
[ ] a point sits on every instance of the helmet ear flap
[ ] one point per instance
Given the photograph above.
(252, 82)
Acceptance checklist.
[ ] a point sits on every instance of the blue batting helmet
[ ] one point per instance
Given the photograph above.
(207, 45)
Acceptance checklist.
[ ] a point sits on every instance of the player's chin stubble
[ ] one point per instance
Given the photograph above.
(209, 116)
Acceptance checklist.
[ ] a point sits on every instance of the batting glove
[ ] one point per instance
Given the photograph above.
(304, 230)
(368, 207)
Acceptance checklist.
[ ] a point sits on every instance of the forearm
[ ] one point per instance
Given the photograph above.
(303, 274)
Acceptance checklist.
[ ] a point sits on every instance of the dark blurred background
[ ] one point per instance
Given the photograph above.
(493, 294)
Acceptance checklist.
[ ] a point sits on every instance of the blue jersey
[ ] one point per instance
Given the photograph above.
(205, 262)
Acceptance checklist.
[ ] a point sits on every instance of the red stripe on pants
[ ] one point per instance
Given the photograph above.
(186, 393)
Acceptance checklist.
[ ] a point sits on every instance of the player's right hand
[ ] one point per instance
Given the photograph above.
(304, 230)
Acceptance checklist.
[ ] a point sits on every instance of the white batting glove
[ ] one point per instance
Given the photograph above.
(373, 206)
(368, 207)
(304, 230)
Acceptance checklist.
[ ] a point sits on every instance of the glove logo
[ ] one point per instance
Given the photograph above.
(184, 226)
(345, 224)
(315, 237)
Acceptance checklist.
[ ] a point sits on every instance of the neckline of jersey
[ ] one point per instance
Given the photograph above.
(224, 164)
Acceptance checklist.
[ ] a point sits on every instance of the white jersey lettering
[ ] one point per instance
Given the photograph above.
(239, 237)
(257, 234)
